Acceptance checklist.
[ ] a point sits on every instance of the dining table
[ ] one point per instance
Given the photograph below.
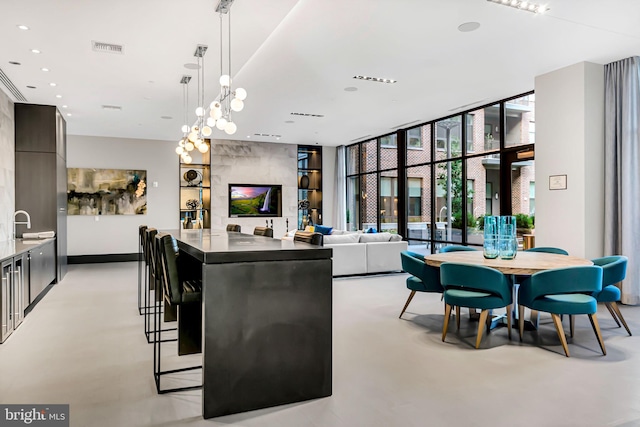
(524, 264)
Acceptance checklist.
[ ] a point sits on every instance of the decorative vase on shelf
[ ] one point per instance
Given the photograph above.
(490, 246)
(305, 222)
(508, 242)
(188, 224)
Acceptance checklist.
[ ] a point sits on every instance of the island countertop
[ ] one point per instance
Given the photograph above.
(220, 246)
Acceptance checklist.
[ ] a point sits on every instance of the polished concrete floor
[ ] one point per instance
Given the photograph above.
(84, 345)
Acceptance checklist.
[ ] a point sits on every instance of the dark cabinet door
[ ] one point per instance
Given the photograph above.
(36, 189)
(35, 127)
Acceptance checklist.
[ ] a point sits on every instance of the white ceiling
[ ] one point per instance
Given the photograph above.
(298, 56)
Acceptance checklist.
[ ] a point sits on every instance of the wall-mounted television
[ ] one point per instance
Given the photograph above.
(250, 200)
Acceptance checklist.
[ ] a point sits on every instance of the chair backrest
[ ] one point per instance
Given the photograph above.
(308, 237)
(150, 237)
(456, 248)
(233, 227)
(413, 263)
(263, 231)
(548, 249)
(475, 277)
(584, 279)
(614, 268)
(169, 273)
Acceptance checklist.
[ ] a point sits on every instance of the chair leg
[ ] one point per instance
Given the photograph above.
(481, 325)
(447, 313)
(613, 313)
(596, 329)
(509, 320)
(558, 323)
(520, 320)
(458, 317)
(572, 323)
(407, 303)
(617, 310)
(534, 317)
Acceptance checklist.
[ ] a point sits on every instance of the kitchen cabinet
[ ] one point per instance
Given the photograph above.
(42, 269)
(41, 173)
(12, 293)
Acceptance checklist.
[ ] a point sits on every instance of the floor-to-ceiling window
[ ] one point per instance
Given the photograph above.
(447, 175)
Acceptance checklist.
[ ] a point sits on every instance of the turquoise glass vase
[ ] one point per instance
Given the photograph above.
(507, 242)
(490, 247)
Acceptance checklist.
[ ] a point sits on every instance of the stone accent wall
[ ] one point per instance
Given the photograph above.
(7, 167)
(248, 162)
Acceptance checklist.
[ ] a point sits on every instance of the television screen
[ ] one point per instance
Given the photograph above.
(255, 200)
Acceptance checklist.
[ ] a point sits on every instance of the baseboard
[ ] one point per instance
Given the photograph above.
(92, 259)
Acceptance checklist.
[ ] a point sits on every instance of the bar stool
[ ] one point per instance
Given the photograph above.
(184, 294)
(154, 284)
(142, 264)
(308, 237)
(233, 227)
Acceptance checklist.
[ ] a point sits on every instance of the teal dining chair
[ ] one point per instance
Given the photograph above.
(563, 291)
(614, 270)
(474, 286)
(456, 248)
(424, 278)
(548, 249)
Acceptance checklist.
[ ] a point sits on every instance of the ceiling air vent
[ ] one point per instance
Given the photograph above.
(107, 47)
(405, 124)
(307, 114)
(11, 87)
(112, 107)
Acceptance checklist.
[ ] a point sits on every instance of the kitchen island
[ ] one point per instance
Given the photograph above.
(267, 319)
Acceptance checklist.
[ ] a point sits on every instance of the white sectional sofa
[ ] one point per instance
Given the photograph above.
(362, 253)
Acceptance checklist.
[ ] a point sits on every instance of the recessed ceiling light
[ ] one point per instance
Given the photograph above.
(350, 89)
(375, 79)
(35, 51)
(31, 87)
(23, 27)
(68, 114)
(467, 27)
(248, 136)
(53, 84)
(14, 63)
(44, 69)
(58, 96)
(64, 106)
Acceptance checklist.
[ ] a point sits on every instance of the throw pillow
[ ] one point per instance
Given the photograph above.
(375, 237)
(323, 229)
(371, 230)
(309, 228)
(395, 238)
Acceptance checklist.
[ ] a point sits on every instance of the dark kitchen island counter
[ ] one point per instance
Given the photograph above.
(267, 308)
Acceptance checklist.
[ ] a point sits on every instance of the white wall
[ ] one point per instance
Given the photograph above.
(248, 162)
(7, 167)
(328, 185)
(570, 141)
(116, 234)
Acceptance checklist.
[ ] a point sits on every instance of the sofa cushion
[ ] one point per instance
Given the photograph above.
(332, 239)
(323, 229)
(375, 237)
(395, 238)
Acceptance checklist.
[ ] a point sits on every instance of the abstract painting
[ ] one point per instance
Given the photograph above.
(106, 191)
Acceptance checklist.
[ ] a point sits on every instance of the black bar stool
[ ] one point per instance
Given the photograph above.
(263, 231)
(153, 284)
(233, 227)
(142, 264)
(186, 295)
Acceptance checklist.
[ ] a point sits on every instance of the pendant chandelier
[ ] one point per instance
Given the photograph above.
(193, 136)
(229, 100)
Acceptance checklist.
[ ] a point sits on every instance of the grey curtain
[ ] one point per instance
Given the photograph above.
(340, 201)
(622, 169)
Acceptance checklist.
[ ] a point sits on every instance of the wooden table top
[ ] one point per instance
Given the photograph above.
(525, 263)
